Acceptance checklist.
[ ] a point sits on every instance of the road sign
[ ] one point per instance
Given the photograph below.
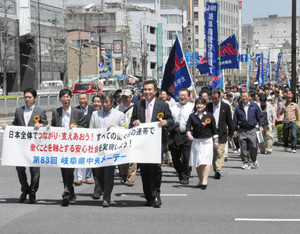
(118, 46)
(244, 58)
(100, 65)
(257, 58)
(189, 58)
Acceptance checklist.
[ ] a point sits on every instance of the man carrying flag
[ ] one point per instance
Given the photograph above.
(177, 75)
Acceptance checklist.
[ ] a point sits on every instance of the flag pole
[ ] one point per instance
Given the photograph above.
(219, 39)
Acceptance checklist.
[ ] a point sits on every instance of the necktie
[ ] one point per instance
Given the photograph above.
(148, 117)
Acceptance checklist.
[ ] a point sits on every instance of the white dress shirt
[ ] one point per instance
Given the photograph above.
(181, 114)
(27, 114)
(66, 116)
(246, 107)
(85, 110)
(216, 113)
(150, 109)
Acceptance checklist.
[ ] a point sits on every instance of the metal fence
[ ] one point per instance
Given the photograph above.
(48, 102)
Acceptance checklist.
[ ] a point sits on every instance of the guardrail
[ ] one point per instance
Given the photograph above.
(51, 101)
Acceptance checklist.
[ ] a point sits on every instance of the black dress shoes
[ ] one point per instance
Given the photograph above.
(96, 196)
(105, 204)
(148, 203)
(156, 202)
(32, 198)
(65, 201)
(23, 197)
(203, 186)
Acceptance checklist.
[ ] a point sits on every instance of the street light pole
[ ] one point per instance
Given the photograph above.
(294, 75)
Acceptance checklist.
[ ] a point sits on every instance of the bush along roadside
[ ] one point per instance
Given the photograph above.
(280, 133)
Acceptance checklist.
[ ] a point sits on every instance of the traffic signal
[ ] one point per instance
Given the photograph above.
(108, 62)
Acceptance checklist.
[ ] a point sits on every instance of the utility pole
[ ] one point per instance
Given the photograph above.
(294, 73)
(40, 49)
(240, 38)
(193, 40)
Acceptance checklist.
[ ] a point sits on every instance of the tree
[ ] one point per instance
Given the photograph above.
(126, 37)
(7, 42)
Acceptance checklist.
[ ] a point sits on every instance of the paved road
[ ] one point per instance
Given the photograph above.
(270, 194)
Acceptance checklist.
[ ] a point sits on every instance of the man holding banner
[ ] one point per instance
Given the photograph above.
(107, 117)
(152, 110)
(67, 117)
(29, 115)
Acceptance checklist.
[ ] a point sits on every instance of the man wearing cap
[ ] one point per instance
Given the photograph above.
(128, 171)
(290, 110)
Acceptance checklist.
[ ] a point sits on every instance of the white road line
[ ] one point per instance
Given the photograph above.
(266, 220)
(162, 195)
(273, 195)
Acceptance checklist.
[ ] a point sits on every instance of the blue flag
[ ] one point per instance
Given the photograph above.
(248, 70)
(211, 33)
(203, 65)
(261, 78)
(278, 66)
(217, 82)
(177, 74)
(228, 53)
(268, 67)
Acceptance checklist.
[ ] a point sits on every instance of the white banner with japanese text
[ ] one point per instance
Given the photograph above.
(81, 147)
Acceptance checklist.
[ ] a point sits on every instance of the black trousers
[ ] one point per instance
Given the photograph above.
(181, 156)
(34, 181)
(97, 188)
(151, 177)
(104, 176)
(68, 178)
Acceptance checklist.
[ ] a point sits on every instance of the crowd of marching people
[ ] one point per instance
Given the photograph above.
(197, 131)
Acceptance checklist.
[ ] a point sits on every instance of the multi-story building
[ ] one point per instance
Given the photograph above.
(147, 29)
(229, 21)
(35, 48)
(274, 33)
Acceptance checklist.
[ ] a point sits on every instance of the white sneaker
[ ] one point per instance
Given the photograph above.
(256, 164)
(285, 149)
(246, 166)
(235, 152)
(294, 151)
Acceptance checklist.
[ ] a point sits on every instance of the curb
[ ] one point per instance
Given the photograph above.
(277, 143)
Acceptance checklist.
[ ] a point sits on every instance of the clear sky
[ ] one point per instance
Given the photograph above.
(262, 8)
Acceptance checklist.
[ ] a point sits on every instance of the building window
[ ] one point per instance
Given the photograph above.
(171, 35)
(196, 16)
(152, 47)
(152, 65)
(118, 64)
(196, 29)
(152, 30)
(196, 3)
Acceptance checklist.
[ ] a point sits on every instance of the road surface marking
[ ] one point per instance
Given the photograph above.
(266, 220)
(273, 195)
(162, 195)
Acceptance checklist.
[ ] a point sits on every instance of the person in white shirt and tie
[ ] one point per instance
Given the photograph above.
(179, 144)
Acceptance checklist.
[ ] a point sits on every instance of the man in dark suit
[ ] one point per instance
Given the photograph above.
(67, 117)
(144, 112)
(25, 116)
(87, 110)
(223, 117)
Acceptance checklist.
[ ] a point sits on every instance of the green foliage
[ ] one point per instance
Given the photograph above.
(280, 133)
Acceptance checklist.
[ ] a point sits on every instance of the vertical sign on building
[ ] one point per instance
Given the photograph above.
(211, 32)
(159, 47)
(24, 17)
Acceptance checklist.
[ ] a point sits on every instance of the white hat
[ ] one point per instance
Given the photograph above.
(126, 92)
